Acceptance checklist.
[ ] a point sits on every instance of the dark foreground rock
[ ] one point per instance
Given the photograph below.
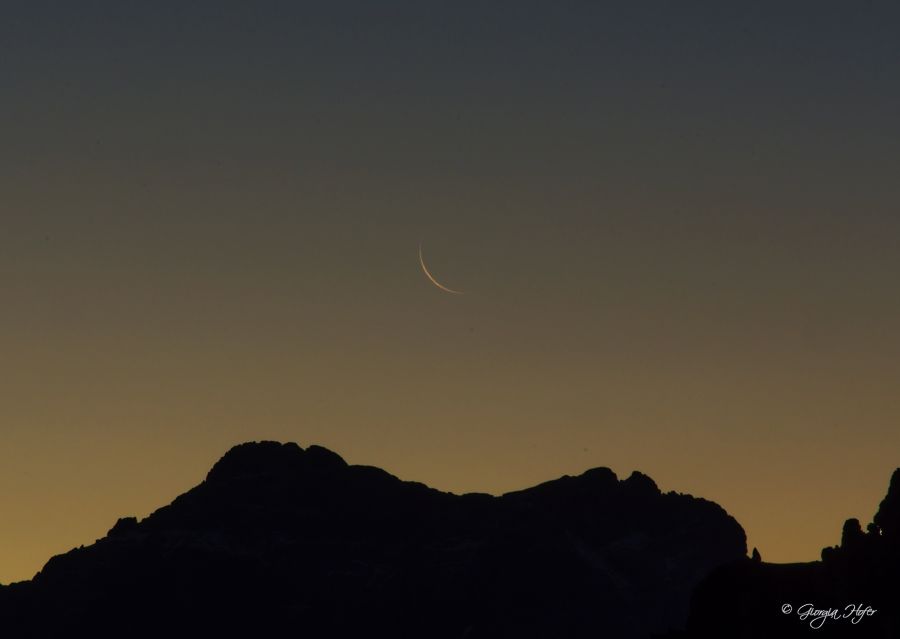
(284, 542)
(854, 591)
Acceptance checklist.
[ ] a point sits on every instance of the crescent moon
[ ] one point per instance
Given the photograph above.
(431, 277)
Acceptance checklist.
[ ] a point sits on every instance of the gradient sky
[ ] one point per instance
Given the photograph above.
(676, 223)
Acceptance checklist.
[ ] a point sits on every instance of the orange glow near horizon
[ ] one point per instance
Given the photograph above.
(681, 257)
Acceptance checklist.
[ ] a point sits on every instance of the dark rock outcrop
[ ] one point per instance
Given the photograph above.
(282, 541)
(862, 575)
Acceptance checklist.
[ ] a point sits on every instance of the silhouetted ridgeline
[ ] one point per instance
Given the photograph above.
(749, 599)
(285, 542)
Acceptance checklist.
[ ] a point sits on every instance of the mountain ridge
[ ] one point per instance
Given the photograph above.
(855, 581)
(280, 537)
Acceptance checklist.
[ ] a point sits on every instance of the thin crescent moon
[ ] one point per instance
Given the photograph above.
(431, 277)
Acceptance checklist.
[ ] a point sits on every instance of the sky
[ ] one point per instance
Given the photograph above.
(675, 225)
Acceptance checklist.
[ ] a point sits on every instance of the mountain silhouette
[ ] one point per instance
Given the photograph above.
(284, 541)
(748, 599)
